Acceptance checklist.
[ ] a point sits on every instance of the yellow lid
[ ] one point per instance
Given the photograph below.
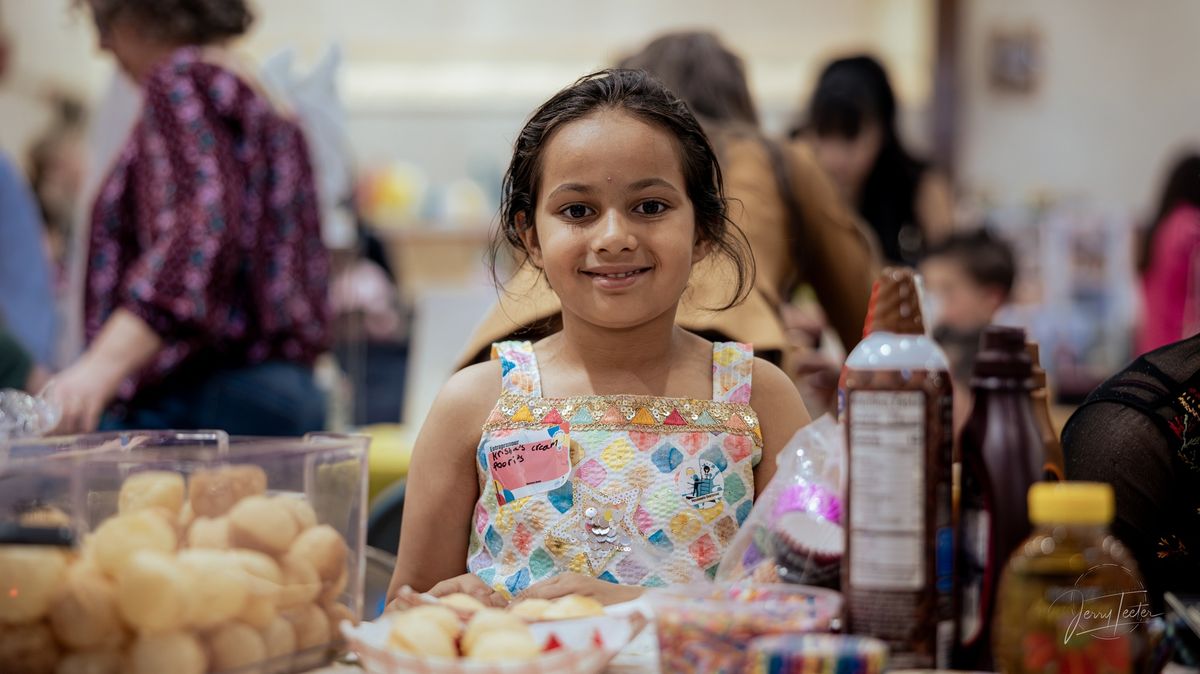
(1071, 503)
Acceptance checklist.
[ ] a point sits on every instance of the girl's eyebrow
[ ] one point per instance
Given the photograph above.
(650, 182)
(570, 187)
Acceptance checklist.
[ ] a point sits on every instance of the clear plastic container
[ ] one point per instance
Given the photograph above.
(706, 628)
(265, 533)
(813, 653)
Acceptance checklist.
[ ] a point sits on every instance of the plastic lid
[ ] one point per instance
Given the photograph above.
(1071, 503)
(895, 303)
(1002, 359)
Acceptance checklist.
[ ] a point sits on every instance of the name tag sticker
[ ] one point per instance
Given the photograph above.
(529, 462)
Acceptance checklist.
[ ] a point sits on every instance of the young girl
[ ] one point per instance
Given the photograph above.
(621, 452)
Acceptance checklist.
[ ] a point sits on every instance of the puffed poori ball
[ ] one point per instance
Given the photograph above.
(422, 637)
(85, 616)
(301, 583)
(30, 578)
(214, 492)
(174, 652)
(263, 524)
(504, 646)
(324, 547)
(223, 588)
(301, 511)
(235, 645)
(155, 592)
(209, 532)
(90, 662)
(119, 538)
(151, 489)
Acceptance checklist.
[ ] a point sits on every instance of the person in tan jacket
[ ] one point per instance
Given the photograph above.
(798, 228)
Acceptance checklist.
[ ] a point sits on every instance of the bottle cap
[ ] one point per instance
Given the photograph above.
(1002, 361)
(1071, 503)
(895, 303)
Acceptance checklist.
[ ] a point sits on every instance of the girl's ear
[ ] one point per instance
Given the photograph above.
(529, 238)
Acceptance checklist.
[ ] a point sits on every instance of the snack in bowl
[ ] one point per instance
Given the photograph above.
(573, 606)
(463, 603)
(415, 633)
(530, 609)
(490, 640)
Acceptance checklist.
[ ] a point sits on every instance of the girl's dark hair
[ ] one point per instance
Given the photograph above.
(193, 22)
(851, 94)
(699, 69)
(636, 93)
(1182, 187)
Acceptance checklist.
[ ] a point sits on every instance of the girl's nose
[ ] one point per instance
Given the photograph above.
(615, 234)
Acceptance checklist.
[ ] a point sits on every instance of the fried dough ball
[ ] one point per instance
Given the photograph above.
(118, 538)
(27, 649)
(155, 592)
(175, 652)
(85, 616)
(214, 492)
(223, 588)
(323, 546)
(263, 524)
(151, 489)
(30, 578)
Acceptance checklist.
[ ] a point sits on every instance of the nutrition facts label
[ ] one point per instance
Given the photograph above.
(887, 489)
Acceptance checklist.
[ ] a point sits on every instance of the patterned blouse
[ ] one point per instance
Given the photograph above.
(637, 490)
(207, 228)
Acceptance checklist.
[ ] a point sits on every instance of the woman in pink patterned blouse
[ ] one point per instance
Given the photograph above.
(205, 303)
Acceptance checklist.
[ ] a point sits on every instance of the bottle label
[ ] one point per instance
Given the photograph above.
(976, 544)
(887, 520)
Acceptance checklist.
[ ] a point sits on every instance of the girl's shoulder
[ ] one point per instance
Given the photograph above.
(470, 394)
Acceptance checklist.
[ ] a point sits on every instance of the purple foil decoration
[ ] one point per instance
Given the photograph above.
(810, 498)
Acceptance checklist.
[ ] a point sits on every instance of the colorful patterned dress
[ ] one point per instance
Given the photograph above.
(638, 490)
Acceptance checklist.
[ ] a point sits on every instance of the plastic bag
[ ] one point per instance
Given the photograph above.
(26, 416)
(794, 533)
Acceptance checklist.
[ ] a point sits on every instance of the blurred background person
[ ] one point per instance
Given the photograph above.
(797, 227)
(205, 301)
(26, 293)
(1169, 260)
(57, 164)
(851, 126)
(969, 278)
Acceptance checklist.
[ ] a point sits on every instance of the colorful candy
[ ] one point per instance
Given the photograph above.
(816, 654)
(707, 628)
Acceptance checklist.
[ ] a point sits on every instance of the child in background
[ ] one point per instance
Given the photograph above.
(567, 466)
(968, 279)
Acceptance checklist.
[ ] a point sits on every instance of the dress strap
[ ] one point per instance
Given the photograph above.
(518, 368)
(733, 364)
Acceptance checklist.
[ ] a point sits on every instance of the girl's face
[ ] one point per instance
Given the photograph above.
(615, 232)
(848, 161)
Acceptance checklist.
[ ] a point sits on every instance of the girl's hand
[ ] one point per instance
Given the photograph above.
(82, 392)
(470, 584)
(573, 583)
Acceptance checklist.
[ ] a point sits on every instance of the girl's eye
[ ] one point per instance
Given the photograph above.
(651, 207)
(576, 211)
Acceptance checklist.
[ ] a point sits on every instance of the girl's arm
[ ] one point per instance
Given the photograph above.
(781, 413)
(442, 483)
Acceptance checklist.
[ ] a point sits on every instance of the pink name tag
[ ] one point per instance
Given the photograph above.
(529, 462)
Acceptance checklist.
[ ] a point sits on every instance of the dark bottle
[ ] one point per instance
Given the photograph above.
(897, 570)
(1003, 454)
(1055, 468)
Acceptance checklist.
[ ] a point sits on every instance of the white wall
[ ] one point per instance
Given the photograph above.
(1118, 94)
(443, 83)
